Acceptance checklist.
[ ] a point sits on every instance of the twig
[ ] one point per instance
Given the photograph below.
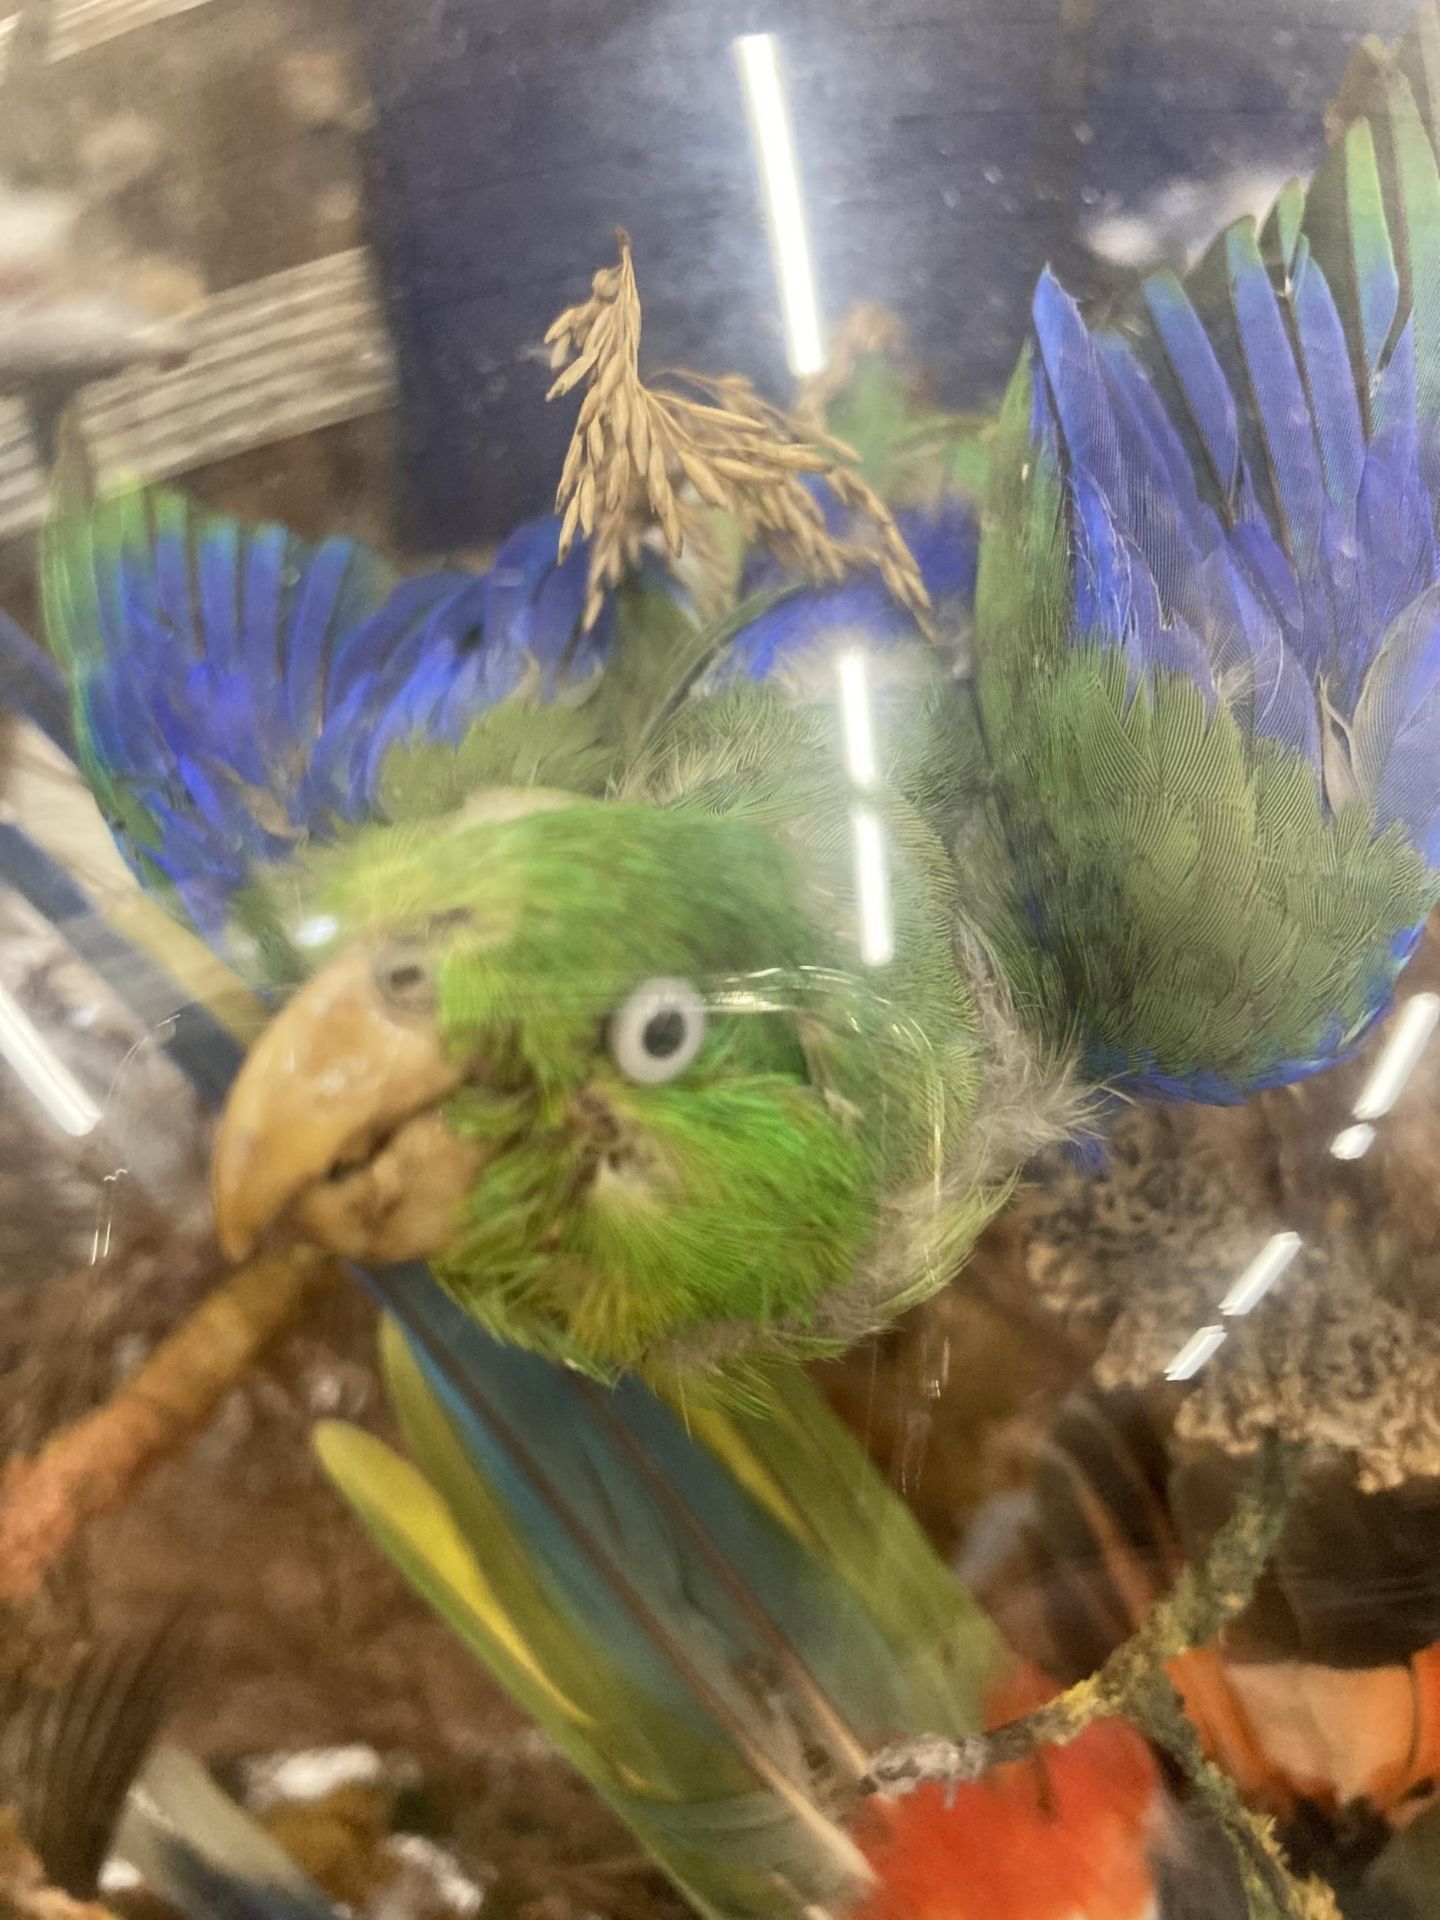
(1272, 1892)
(94, 1464)
(669, 453)
(1133, 1685)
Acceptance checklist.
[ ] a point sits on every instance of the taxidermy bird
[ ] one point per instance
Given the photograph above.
(715, 1620)
(690, 991)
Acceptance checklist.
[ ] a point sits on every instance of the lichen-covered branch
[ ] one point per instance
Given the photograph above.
(1133, 1685)
(670, 451)
(1272, 1892)
(96, 1462)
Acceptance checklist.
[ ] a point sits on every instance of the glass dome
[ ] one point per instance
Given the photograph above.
(719, 802)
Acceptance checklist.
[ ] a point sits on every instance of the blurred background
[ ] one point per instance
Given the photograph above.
(946, 153)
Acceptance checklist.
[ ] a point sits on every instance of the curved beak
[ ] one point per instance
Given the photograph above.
(332, 1125)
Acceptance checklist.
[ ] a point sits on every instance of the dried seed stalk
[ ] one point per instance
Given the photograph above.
(670, 452)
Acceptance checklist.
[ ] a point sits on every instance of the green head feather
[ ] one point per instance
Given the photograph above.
(623, 1214)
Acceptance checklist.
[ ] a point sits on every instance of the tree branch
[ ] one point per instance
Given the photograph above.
(1133, 1685)
(94, 1464)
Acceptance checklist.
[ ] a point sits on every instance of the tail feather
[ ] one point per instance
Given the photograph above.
(77, 1766)
(68, 1755)
(693, 1627)
(193, 1846)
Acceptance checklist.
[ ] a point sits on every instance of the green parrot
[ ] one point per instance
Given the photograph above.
(690, 994)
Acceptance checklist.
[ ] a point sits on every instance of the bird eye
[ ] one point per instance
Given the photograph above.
(656, 1032)
(403, 977)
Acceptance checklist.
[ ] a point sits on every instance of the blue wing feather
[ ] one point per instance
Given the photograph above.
(1301, 424)
(1274, 382)
(163, 588)
(316, 609)
(268, 565)
(1329, 388)
(1377, 281)
(219, 568)
(1250, 476)
(1398, 707)
(1200, 380)
(237, 691)
(944, 540)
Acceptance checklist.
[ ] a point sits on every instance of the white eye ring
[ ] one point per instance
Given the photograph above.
(656, 1031)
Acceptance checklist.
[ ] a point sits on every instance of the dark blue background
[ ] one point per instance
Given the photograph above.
(947, 152)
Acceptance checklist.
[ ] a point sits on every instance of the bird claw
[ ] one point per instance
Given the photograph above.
(929, 1760)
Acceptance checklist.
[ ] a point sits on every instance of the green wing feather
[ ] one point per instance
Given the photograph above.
(1201, 835)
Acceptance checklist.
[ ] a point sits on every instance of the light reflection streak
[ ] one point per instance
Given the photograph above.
(1407, 1040)
(42, 1072)
(1399, 1057)
(758, 55)
(1264, 1270)
(1352, 1143)
(1195, 1352)
(857, 722)
(872, 887)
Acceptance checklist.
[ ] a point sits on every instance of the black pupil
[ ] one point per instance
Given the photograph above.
(403, 978)
(664, 1034)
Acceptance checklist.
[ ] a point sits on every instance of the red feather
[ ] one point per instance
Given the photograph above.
(1063, 1836)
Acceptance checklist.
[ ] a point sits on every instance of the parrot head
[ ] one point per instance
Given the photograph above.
(588, 1058)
